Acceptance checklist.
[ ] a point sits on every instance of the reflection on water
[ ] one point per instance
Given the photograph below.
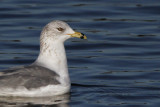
(61, 100)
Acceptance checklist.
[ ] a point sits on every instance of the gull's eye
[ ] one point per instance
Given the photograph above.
(60, 29)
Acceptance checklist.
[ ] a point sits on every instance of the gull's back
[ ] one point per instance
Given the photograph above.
(29, 77)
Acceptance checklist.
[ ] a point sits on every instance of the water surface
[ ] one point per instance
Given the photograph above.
(118, 66)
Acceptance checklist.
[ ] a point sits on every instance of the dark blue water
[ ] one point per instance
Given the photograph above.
(119, 64)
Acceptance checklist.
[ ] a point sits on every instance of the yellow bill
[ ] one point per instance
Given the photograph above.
(79, 35)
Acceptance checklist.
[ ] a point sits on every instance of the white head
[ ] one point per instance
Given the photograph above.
(56, 32)
(59, 30)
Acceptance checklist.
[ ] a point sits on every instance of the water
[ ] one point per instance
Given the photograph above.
(118, 66)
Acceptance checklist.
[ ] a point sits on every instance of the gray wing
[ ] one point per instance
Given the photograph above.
(32, 76)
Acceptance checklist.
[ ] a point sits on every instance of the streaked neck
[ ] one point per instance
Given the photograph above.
(52, 56)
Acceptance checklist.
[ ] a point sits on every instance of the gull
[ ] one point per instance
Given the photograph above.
(48, 74)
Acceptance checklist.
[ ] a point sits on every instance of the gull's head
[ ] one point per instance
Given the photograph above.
(61, 31)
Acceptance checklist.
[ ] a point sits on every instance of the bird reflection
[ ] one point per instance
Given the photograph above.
(54, 101)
